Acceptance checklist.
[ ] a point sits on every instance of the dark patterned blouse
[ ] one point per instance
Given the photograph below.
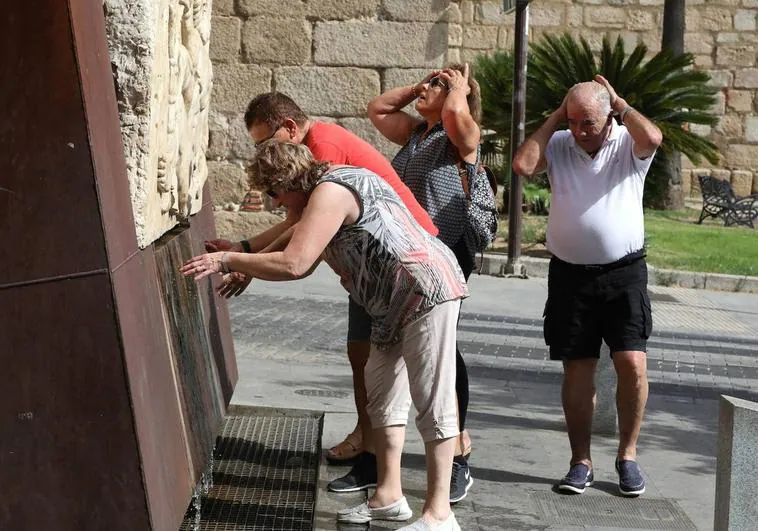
(390, 266)
(428, 166)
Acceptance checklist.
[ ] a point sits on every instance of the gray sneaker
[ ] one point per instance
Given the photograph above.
(361, 514)
(631, 482)
(362, 476)
(578, 478)
(460, 481)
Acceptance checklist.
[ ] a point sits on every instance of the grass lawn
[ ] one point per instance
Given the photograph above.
(674, 241)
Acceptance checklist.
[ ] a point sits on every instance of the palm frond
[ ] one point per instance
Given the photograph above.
(612, 59)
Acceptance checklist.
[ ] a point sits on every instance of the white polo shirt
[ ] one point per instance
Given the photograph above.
(596, 206)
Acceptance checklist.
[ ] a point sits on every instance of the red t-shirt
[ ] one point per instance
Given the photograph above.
(335, 144)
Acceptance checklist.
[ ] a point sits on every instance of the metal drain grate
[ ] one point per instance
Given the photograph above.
(637, 513)
(265, 473)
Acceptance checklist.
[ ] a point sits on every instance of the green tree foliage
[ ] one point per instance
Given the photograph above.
(665, 88)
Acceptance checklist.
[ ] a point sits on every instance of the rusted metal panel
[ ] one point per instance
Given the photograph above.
(156, 410)
(104, 136)
(117, 371)
(215, 309)
(45, 162)
(67, 441)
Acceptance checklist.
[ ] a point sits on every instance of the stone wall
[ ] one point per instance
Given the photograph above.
(720, 33)
(330, 56)
(333, 56)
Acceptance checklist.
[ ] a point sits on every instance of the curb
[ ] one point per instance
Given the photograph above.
(530, 267)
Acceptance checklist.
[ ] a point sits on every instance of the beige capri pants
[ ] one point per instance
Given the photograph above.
(421, 368)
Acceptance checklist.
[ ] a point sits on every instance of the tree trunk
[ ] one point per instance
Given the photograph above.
(673, 39)
(673, 26)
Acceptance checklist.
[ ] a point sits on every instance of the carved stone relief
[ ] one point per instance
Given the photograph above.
(159, 52)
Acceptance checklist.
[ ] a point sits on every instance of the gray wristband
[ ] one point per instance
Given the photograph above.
(626, 111)
(224, 264)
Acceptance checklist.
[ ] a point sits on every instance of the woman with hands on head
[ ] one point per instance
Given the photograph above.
(410, 284)
(435, 147)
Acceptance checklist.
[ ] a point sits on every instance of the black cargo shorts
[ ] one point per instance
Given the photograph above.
(588, 304)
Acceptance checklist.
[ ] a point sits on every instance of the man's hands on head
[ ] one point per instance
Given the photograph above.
(645, 134)
(561, 114)
(618, 103)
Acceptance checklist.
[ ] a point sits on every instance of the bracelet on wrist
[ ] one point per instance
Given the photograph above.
(624, 112)
(246, 246)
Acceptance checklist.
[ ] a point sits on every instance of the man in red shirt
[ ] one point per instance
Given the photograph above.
(275, 115)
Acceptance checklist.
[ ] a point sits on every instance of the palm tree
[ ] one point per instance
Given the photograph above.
(673, 39)
(665, 88)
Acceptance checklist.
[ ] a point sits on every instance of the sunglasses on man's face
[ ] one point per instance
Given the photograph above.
(436, 81)
(269, 137)
(272, 194)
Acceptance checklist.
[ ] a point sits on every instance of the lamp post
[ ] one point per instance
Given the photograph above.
(518, 119)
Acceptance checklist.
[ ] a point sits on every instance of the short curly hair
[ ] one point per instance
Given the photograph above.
(285, 165)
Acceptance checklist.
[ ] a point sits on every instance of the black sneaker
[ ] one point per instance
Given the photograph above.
(460, 481)
(579, 477)
(361, 477)
(631, 482)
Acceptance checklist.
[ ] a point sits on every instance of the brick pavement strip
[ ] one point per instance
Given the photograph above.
(679, 362)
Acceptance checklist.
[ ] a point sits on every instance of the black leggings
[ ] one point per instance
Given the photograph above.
(466, 262)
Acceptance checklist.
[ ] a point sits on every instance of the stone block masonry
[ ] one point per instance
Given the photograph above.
(330, 56)
(333, 56)
(235, 82)
(380, 44)
(278, 40)
(327, 91)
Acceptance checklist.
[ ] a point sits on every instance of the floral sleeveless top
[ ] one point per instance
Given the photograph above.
(390, 265)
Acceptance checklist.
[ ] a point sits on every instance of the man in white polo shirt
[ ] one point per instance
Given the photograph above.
(597, 283)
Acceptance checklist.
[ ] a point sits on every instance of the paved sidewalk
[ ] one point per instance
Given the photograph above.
(533, 267)
(289, 339)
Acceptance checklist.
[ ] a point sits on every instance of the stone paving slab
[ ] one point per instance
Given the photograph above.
(290, 337)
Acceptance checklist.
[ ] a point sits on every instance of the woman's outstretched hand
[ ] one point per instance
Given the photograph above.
(203, 265)
(233, 284)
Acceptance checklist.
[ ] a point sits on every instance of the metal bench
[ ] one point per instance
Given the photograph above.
(720, 201)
